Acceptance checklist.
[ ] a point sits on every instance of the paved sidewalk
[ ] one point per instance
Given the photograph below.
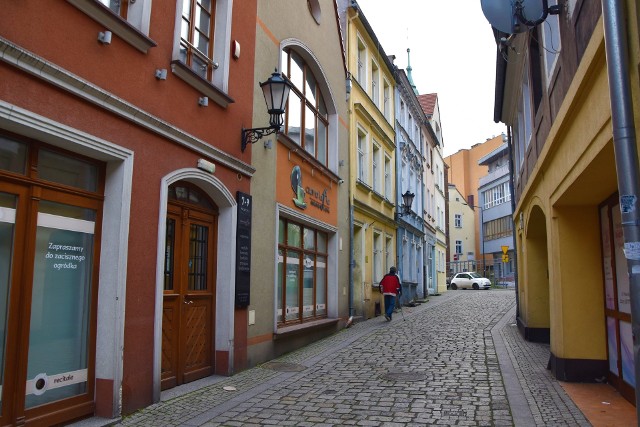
(455, 360)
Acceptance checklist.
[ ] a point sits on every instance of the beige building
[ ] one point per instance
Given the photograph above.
(462, 233)
(300, 230)
(465, 174)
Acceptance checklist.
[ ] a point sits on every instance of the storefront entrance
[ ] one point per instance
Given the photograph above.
(617, 301)
(50, 216)
(189, 286)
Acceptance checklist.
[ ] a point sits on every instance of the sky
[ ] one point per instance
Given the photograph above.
(453, 54)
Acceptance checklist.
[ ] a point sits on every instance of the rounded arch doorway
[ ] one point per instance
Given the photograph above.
(188, 309)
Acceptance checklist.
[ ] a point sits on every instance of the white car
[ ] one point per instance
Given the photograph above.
(469, 280)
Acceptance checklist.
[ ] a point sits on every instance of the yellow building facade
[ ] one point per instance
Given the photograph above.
(573, 283)
(372, 148)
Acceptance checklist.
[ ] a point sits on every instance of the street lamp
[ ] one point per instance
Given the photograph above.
(275, 91)
(407, 200)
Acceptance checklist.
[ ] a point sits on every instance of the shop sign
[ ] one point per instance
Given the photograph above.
(243, 249)
(318, 198)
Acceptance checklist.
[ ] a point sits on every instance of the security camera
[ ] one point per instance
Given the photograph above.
(341, 181)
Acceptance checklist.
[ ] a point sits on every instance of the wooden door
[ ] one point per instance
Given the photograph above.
(189, 289)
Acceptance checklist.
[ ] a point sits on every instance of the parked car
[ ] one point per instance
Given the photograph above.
(469, 280)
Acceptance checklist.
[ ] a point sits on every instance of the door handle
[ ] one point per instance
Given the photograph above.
(188, 302)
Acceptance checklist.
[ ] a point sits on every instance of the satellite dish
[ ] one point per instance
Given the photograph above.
(506, 15)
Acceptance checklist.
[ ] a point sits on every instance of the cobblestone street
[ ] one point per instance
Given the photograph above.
(450, 361)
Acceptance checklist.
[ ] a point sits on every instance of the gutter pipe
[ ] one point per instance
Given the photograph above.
(626, 157)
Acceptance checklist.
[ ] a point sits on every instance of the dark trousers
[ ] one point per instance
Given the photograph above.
(389, 304)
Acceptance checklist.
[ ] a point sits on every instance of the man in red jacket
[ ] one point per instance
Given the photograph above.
(390, 287)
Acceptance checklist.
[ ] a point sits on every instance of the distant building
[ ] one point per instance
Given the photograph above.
(462, 233)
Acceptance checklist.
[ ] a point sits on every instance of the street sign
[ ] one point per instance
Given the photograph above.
(505, 258)
(505, 249)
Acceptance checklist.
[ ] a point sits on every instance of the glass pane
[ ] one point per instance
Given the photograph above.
(606, 258)
(280, 284)
(310, 131)
(198, 247)
(293, 278)
(68, 171)
(202, 43)
(60, 304)
(203, 21)
(626, 352)
(184, 30)
(296, 71)
(205, 4)
(322, 242)
(186, 9)
(307, 286)
(198, 66)
(281, 228)
(293, 235)
(13, 155)
(322, 143)
(309, 237)
(294, 116)
(622, 276)
(310, 89)
(169, 252)
(321, 286)
(7, 221)
(612, 344)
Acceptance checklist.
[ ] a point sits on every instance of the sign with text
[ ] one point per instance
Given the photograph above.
(243, 249)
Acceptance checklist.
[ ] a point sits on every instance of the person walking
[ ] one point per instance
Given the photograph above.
(390, 287)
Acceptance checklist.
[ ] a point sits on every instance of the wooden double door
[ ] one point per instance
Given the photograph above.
(188, 327)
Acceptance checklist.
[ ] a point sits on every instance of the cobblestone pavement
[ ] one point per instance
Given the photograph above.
(455, 360)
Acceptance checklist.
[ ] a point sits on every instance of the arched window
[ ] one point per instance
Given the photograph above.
(305, 106)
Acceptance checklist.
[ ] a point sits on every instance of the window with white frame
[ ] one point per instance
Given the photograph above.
(496, 195)
(197, 33)
(457, 220)
(388, 250)
(388, 192)
(375, 84)
(551, 41)
(387, 100)
(402, 110)
(410, 127)
(377, 257)
(362, 64)
(306, 116)
(136, 13)
(459, 247)
(375, 167)
(362, 156)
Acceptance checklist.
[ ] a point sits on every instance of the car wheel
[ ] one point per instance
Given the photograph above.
(454, 286)
(475, 286)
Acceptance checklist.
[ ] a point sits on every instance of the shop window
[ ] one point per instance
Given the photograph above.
(302, 273)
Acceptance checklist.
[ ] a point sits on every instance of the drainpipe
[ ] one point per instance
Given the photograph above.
(513, 210)
(626, 156)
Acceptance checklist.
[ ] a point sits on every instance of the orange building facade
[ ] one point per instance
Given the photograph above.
(120, 178)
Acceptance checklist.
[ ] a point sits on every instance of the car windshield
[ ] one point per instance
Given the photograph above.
(475, 275)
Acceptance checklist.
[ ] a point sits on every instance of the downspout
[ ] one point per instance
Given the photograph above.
(513, 209)
(626, 156)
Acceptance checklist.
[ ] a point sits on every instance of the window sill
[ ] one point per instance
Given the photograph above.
(288, 331)
(103, 15)
(201, 85)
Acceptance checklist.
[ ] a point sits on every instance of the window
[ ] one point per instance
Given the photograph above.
(457, 222)
(497, 228)
(305, 106)
(551, 41)
(203, 46)
(402, 109)
(362, 61)
(196, 36)
(388, 194)
(388, 249)
(375, 170)
(302, 273)
(496, 195)
(375, 84)
(459, 247)
(387, 101)
(377, 257)
(362, 156)
(133, 28)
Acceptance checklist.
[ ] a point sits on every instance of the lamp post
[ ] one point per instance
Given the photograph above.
(275, 91)
(407, 201)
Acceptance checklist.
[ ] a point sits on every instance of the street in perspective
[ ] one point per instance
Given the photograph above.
(456, 359)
